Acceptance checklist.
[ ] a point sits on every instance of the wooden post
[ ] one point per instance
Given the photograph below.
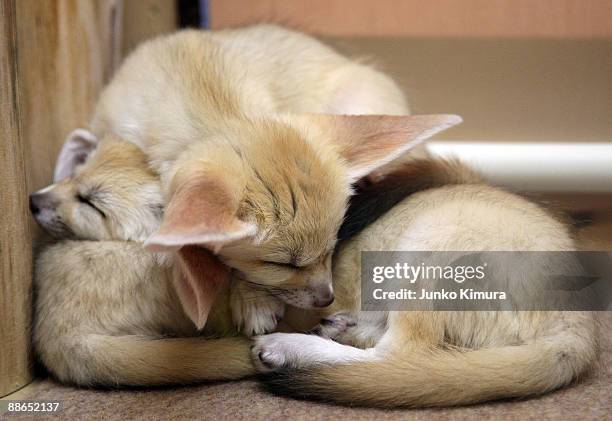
(144, 19)
(15, 244)
(55, 58)
(68, 51)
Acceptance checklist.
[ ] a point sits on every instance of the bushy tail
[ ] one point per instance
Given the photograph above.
(374, 197)
(444, 378)
(131, 360)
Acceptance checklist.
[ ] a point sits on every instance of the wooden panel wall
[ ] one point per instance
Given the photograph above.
(15, 249)
(420, 18)
(58, 55)
(146, 19)
(68, 50)
(55, 57)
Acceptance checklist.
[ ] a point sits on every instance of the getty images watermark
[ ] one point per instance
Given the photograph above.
(498, 280)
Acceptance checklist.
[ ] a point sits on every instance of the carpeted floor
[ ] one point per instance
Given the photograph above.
(589, 399)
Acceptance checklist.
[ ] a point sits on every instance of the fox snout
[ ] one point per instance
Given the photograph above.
(316, 293)
(323, 294)
(40, 202)
(45, 207)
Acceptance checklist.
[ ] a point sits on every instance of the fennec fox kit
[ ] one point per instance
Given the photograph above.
(248, 171)
(106, 311)
(429, 358)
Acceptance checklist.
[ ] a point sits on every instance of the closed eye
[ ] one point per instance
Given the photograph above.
(291, 266)
(85, 200)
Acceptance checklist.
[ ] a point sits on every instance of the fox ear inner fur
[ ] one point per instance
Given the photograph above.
(368, 142)
(198, 277)
(202, 212)
(200, 217)
(79, 144)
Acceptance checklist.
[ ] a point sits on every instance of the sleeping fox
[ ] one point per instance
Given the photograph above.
(433, 358)
(106, 310)
(250, 133)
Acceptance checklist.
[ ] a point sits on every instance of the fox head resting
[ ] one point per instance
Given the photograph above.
(268, 196)
(103, 191)
(269, 208)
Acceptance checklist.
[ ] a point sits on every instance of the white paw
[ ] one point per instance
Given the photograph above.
(255, 312)
(283, 350)
(297, 350)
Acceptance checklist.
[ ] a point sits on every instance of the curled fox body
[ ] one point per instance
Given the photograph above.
(106, 310)
(433, 358)
(247, 170)
(264, 188)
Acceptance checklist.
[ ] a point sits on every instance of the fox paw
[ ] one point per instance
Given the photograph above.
(254, 312)
(357, 329)
(332, 327)
(296, 350)
(283, 350)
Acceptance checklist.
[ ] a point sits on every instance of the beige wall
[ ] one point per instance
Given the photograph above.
(425, 18)
(516, 70)
(511, 90)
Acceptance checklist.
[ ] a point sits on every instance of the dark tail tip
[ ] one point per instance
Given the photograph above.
(296, 384)
(284, 383)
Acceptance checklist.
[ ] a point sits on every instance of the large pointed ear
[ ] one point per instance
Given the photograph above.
(200, 216)
(202, 211)
(368, 142)
(79, 144)
(198, 277)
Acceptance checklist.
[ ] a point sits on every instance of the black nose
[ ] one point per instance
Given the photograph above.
(40, 201)
(34, 204)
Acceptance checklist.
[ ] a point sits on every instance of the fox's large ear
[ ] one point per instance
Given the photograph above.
(79, 144)
(200, 217)
(368, 142)
(202, 211)
(198, 277)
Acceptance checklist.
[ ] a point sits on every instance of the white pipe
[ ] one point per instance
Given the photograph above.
(550, 167)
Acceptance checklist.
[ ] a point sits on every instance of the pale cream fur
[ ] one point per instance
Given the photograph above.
(245, 173)
(427, 358)
(114, 196)
(106, 311)
(205, 122)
